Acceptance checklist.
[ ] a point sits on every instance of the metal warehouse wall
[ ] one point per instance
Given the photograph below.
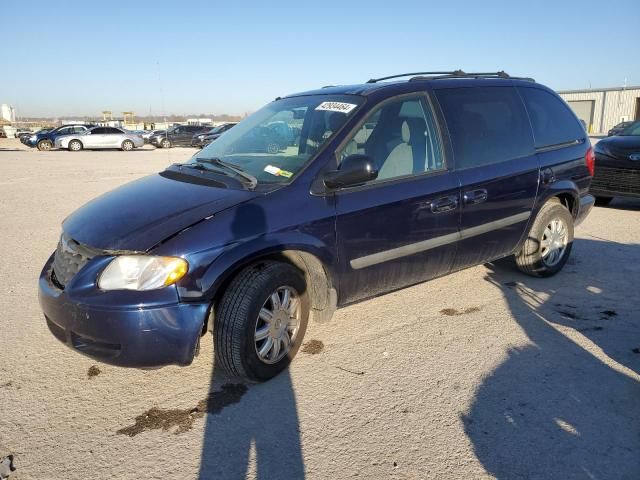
(610, 105)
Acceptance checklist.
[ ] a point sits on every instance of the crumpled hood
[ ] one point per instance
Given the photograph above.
(139, 215)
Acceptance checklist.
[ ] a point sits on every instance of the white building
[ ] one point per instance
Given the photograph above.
(603, 108)
(7, 113)
(199, 121)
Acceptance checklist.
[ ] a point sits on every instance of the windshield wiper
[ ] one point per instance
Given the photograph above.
(253, 181)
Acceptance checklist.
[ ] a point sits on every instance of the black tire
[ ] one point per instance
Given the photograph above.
(529, 260)
(603, 201)
(236, 319)
(165, 143)
(127, 146)
(74, 146)
(44, 145)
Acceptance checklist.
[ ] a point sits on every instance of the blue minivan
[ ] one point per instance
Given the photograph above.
(383, 185)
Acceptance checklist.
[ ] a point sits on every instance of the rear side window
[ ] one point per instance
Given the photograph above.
(487, 125)
(552, 121)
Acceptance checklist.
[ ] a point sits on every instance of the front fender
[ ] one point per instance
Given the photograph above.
(236, 256)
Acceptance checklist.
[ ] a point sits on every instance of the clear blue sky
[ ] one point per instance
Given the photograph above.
(80, 57)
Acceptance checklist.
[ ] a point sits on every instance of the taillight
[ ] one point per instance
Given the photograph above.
(590, 160)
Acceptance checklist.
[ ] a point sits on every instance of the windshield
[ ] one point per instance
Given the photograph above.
(634, 129)
(275, 142)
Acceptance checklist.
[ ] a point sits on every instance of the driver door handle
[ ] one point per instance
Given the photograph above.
(444, 204)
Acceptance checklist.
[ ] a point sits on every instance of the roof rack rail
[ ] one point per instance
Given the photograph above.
(453, 74)
(375, 80)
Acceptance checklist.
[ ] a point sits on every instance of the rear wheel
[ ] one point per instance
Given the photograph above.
(603, 201)
(75, 146)
(127, 145)
(165, 143)
(549, 242)
(261, 321)
(44, 145)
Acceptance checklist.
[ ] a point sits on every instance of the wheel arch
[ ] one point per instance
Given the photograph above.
(566, 192)
(318, 278)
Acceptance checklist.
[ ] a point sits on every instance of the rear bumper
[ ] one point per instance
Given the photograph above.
(124, 334)
(586, 204)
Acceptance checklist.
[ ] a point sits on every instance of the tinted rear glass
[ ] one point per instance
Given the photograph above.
(552, 120)
(487, 124)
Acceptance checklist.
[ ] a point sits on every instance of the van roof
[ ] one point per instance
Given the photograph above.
(435, 79)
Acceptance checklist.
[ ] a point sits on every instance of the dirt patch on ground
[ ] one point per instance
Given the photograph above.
(182, 419)
(313, 347)
(93, 371)
(452, 312)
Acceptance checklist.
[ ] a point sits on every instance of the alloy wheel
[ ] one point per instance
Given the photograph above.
(277, 325)
(554, 242)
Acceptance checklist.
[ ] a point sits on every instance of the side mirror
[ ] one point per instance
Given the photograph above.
(354, 170)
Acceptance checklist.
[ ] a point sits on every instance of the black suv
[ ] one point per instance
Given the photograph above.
(375, 187)
(201, 140)
(178, 136)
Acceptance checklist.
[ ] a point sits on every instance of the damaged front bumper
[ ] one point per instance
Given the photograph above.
(124, 328)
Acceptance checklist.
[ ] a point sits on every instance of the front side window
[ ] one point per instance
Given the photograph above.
(487, 125)
(277, 141)
(400, 137)
(552, 120)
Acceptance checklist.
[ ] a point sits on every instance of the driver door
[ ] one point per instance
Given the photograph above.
(401, 228)
(95, 138)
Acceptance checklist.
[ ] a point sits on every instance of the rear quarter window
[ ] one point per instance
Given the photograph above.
(552, 120)
(487, 124)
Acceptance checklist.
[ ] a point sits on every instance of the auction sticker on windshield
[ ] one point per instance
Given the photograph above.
(336, 107)
(278, 172)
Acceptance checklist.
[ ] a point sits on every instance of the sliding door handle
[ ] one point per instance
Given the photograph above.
(475, 196)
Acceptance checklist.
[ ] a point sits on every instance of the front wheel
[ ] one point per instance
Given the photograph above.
(165, 143)
(261, 321)
(127, 145)
(75, 146)
(549, 242)
(44, 145)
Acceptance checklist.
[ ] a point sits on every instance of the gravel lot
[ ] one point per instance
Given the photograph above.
(486, 373)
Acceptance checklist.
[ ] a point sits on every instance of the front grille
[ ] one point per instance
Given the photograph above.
(69, 258)
(623, 180)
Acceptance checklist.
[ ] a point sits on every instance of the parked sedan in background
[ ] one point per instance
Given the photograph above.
(149, 133)
(619, 128)
(178, 136)
(100, 137)
(22, 131)
(44, 139)
(617, 166)
(203, 139)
